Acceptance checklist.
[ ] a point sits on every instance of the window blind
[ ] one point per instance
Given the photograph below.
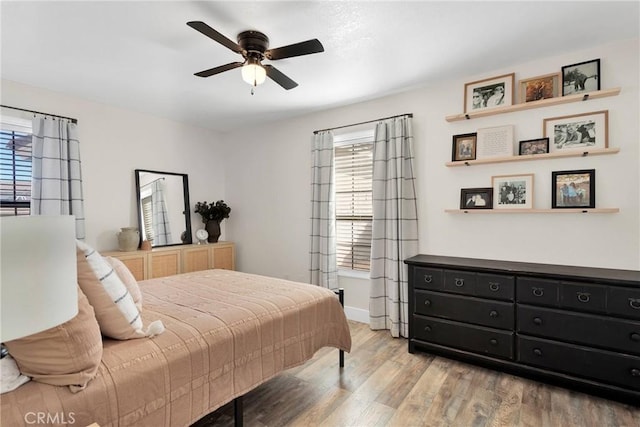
(15, 169)
(354, 212)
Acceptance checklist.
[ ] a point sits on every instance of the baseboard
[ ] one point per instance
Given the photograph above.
(357, 314)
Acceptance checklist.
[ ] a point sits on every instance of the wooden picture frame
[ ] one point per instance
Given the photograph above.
(582, 77)
(533, 146)
(464, 147)
(540, 87)
(476, 198)
(489, 93)
(512, 191)
(577, 132)
(573, 189)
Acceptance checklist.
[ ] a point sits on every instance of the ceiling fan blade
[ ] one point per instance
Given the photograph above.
(213, 34)
(279, 78)
(297, 49)
(220, 69)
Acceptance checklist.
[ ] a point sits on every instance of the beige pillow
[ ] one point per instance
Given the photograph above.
(127, 278)
(68, 354)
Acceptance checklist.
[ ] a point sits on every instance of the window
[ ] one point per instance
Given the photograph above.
(353, 191)
(15, 166)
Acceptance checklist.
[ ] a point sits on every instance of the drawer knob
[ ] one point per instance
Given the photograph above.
(635, 336)
(427, 328)
(494, 286)
(537, 352)
(537, 321)
(427, 302)
(538, 292)
(583, 296)
(493, 313)
(493, 341)
(634, 303)
(635, 372)
(428, 278)
(459, 282)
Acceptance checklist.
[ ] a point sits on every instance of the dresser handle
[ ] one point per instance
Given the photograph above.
(493, 313)
(427, 328)
(459, 282)
(428, 278)
(494, 286)
(538, 292)
(583, 296)
(635, 336)
(635, 372)
(427, 302)
(634, 303)
(537, 352)
(493, 341)
(537, 321)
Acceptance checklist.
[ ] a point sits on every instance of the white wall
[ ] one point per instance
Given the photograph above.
(114, 142)
(269, 169)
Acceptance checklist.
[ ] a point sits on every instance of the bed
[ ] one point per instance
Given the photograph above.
(226, 333)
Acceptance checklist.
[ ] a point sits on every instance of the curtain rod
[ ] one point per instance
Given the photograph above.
(41, 113)
(363, 123)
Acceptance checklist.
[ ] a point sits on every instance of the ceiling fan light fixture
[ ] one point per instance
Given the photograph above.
(254, 74)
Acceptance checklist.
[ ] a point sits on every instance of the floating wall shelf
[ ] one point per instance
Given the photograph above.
(535, 104)
(555, 155)
(531, 211)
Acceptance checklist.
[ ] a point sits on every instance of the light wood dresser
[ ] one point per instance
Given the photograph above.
(170, 260)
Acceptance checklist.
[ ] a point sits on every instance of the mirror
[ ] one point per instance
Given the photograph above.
(163, 207)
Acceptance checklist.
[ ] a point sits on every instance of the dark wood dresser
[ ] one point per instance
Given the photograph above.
(577, 327)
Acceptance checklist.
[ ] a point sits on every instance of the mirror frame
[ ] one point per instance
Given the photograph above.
(186, 208)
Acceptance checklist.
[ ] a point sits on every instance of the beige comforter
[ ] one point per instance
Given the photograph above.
(226, 333)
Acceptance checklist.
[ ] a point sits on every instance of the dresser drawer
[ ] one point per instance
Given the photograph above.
(465, 309)
(537, 291)
(612, 368)
(460, 282)
(428, 278)
(584, 297)
(597, 331)
(496, 286)
(624, 302)
(477, 339)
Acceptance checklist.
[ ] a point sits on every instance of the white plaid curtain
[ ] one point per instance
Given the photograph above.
(395, 225)
(56, 182)
(160, 216)
(323, 267)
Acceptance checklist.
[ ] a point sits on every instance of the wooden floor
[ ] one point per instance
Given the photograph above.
(383, 385)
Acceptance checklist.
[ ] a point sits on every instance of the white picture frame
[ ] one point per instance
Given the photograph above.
(494, 142)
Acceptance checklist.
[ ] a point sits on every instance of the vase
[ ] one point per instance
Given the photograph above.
(128, 239)
(213, 229)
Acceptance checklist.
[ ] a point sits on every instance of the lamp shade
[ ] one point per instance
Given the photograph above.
(254, 74)
(38, 280)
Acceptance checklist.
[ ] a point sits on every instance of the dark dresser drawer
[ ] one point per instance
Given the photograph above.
(428, 278)
(495, 286)
(465, 309)
(624, 302)
(478, 339)
(460, 282)
(537, 291)
(612, 368)
(583, 297)
(598, 331)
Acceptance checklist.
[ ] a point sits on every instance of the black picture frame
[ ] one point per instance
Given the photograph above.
(533, 146)
(476, 198)
(573, 189)
(582, 77)
(464, 147)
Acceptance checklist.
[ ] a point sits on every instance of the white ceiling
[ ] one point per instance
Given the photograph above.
(141, 55)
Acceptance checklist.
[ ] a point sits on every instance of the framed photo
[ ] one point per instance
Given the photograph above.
(495, 142)
(464, 147)
(476, 198)
(512, 191)
(534, 146)
(541, 87)
(578, 131)
(489, 93)
(581, 78)
(573, 189)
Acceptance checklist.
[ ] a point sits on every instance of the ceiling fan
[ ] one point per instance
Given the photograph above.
(254, 48)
